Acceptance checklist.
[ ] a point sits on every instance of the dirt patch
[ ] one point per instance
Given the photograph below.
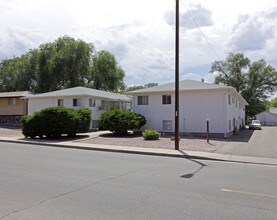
(194, 144)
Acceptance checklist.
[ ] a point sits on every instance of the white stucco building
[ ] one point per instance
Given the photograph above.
(223, 106)
(267, 118)
(79, 97)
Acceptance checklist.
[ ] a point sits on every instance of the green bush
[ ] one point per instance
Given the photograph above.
(151, 135)
(55, 121)
(120, 121)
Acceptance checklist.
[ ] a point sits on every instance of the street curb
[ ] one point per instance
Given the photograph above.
(141, 152)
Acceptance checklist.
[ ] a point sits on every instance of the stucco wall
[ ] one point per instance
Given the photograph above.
(267, 119)
(19, 108)
(195, 108)
(235, 110)
(39, 104)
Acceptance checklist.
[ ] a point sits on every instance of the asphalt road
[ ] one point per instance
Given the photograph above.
(39, 182)
(262, 143)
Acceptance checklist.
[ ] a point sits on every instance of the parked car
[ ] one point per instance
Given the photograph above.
(255, 124)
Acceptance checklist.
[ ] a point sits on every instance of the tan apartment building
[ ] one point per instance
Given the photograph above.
(12, 107)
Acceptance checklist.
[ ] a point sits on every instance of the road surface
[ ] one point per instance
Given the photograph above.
(40, 182)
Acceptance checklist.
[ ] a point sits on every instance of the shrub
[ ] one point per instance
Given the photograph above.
(55, 121)
(120, 121)
(151, 135)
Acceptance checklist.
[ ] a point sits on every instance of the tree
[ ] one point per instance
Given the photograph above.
(64, 64)
(254, 81)
(148, 85)
(120, 121)
(232, 71)
(61, 64)
(106, 74)
(132, 88)
(274, 102)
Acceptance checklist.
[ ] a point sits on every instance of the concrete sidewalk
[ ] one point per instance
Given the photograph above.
(145, 151)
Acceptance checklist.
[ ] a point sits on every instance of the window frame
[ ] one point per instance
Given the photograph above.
(11, 101)
(91, 102)
(143, 100)
(229, 99)
(78, 102)
(167, 127)
(62, 102)
(166, 99)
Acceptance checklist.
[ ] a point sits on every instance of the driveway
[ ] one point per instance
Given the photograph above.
(262, 143)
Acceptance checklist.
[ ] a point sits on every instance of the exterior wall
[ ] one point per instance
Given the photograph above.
(267, 119)
(18, 109)
(100, 106)
(195, 108)
(235, 113)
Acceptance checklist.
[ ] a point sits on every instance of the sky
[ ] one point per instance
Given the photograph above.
(141, 33)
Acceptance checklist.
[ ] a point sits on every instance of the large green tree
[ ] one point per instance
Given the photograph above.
(106, 74)
(254, 81)
(64, 63)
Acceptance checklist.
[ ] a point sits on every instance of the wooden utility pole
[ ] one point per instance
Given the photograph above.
(177, 78)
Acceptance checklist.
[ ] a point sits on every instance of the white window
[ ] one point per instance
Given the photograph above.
(167, 125)
(76, 102)
(166, 99)
(12, 101)
(142, 100)
(91, 102)
(60, 102)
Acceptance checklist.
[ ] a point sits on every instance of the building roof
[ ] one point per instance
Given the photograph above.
(14, 94)
(81, 91)
(268, 113)
(187, 85)
(183, 86)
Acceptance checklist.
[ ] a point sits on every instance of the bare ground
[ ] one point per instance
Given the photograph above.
(136, 140)
(186, 143)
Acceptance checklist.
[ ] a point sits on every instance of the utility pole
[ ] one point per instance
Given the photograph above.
(177, 78)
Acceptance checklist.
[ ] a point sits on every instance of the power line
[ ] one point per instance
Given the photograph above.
(210, 45)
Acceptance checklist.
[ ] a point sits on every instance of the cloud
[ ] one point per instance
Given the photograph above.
(251, 33)
(201, 15)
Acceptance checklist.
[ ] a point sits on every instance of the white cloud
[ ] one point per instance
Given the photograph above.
(137, 32)
(251, 33)
(197, 13)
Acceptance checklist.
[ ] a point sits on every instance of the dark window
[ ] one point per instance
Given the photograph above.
(76, 102)
(229, 99)
(142, 100)
(166, 99)
(60, 102)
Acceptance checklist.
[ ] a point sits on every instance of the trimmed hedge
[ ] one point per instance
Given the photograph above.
(151, 135)
(120, 121)
(55, 121)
